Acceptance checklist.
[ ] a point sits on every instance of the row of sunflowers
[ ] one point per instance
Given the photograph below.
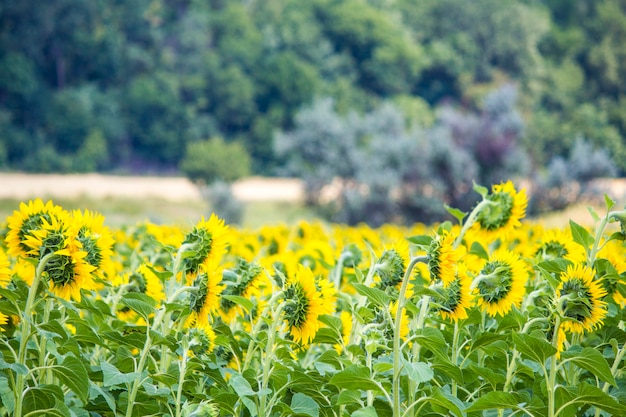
(487, 316)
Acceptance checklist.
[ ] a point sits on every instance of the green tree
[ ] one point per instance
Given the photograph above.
(215, 160)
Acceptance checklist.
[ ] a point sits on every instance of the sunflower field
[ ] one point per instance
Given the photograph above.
(487, 316)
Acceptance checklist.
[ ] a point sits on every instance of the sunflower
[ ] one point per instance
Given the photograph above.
(246, 280)
(66, 268)
(5, 272)
(210, 243)
(391, 264)
(303, 306)
(507, 207)
(202, 340)
(442, 258)
(23, 222)
(614, 283)
(205, 300)
(500, 283)
(558, 244)
(579, 299)
(68, 272)
(96, 240)
(328, 294)
(149, 283)
(456, 296)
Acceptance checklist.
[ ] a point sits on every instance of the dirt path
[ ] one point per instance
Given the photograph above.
(27, 186)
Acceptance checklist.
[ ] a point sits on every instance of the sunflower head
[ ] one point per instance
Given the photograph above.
(23, 223)
(209, 241)
(202, 340)
(500, 283)
(244, 281)
(558, 244)
(442, 258)
(390, 269)
(205, 298)
(5, 271)
(507, 207)
(302, 306)
(95, 239)
(579, 299)
(456, 297)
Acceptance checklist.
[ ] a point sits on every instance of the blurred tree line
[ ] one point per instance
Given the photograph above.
(481, 89)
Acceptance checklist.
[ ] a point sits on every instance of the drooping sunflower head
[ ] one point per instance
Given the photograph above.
(148, 282)
(205, 299)
(24, 222)
(500, 283)
(209, 240)
(391, 265)
(579, 299)
(507, 207)
(456, 297)
(68, 272)
(614, 282)
(202, 340)
(558, 244)
(96, 240)
(303, 306)
(246, 280)
(443, 258)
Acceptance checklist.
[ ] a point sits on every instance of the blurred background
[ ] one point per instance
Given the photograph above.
(383, 110)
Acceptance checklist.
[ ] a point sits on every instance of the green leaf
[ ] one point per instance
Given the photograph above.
(581, 235)
(609, 202)
(326, 335)
(494, 399)
(242, 301)
(478, 250)
(533, 348)
(593, 213)
(483, 191)
(140, 303)
(73, 374)
(420, 240)
(44, 400)
(433, 340)
(365, 412)
(303, 404)
(354, 377)
(241, 386)
(6, 394)
(418, 372)
(349, 397)
(111, 376)
(96, 390)
(374, 295)
(585, 394)
(447, 402)
(592, 361)
(455, 212)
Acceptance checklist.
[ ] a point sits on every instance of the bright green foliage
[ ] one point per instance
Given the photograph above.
(212, 160)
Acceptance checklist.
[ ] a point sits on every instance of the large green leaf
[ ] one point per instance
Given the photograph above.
(581, 235)
(44, 400)
(570, 399)
(418, 372)
(140, 303)
(374, 295)
(112, 377)
(73, 374)
(494, 400)
(303, 404)
(6, 395)
(533, 348)
(241, 386)
(365, 412)
(354, 377)
(592, 361)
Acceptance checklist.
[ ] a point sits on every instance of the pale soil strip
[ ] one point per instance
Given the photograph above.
(27, 186)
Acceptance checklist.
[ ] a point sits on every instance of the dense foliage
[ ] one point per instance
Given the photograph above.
(125, 85)
(492, 316)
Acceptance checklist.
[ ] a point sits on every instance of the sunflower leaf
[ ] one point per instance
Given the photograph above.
(533, 348)
(354, 377)
(592, 361)
(456, 213)
(609, 202)
(494, 400)
(483, 191)
(73, 374)
(581, 235)
(374, 295)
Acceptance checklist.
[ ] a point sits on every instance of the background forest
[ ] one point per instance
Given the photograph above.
(414, 99)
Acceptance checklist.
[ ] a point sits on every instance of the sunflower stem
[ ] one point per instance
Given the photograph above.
(551, 375)
(471, 219)
(268, 359)
(25, 332)
(182, 369)
(397, 368)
